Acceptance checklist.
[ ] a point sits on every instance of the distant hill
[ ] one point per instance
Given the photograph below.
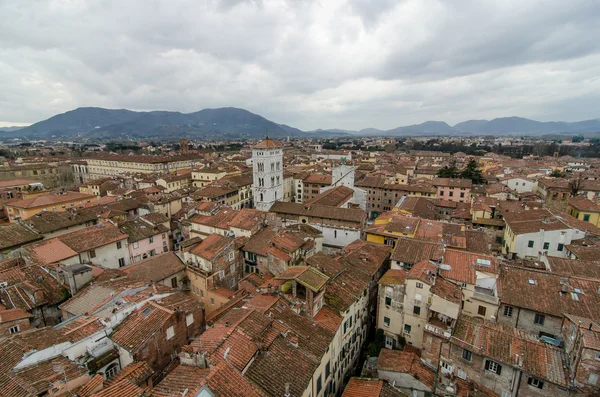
(470, 126)
(121, 123)
(426, 128)
(236, 123)
(499, 126)
(10, 129)
(519, 125)
(371, 131)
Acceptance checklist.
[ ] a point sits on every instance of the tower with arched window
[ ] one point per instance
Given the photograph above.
(267, 170)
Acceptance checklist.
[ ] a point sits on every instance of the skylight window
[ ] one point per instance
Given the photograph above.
(578, 291)
(483, 262)
(574, 296)
(531, 281)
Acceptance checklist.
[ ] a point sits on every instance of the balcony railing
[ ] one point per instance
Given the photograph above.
(485, 295)
(437, 330)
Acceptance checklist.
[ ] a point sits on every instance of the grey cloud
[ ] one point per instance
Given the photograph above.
(310, 64)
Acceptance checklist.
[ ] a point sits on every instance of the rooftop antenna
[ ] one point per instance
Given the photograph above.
(266, 133)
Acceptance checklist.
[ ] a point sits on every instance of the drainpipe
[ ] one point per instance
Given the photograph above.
(437, 371)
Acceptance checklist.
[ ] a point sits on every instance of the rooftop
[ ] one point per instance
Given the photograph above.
(267, 144)
(155, 268)
(511, 347)
(51, 199)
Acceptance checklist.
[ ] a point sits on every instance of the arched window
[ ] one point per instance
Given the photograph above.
(272, 181)
(275, 196)
(261, 197)
(278, 180)
(272, 167)
(111, 371)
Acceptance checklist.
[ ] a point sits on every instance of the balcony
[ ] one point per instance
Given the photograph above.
(485, 295)
(443, 332)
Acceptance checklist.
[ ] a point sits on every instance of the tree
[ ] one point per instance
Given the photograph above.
(449, 171)
(556, 173)
(472, 172)
(578, 138)
(575, 184)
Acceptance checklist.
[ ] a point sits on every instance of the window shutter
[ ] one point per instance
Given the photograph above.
(499, 371)
(487, 364)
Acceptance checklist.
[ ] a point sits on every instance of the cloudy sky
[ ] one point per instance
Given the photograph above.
(311, 64)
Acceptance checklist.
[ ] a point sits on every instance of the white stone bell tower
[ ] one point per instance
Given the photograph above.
(267, 171)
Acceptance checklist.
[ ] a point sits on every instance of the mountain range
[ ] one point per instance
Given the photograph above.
(230, 122)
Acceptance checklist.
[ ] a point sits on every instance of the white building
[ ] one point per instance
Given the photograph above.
(343, 175)
(267, 171)
(533, 233)
(519, 184)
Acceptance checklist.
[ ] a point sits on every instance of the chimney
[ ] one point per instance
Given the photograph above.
(591, 325)
(287, 390)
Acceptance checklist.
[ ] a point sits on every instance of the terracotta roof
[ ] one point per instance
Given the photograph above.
(92, 237)
(94, 385)
(411, 251)
(15, 234)
(581, 203)
(418, 206)
(139, 327)
(531, 221)
(137, 230)
(13, 314)
(77, 329)
(363, 387)
(51, 199)
(393, 277)
(16, 182)
(241, 350)
(402, 224)
(219, 220)
(266, 144)
(334, 197)
(463, 265)
(318, 179)
(23, 283)
(248, 219)
(273, 371)
(353, 215)
(550, 293)
(41, 375)
(406, 362)
(447, 290)
(587, 252)
(574, 267)
(144, 158)
(51, 251)
(213, 191)
(49, 221)
(124, 388)
(212, 246)
(305, 275)
(182, 378)
(155, 269)
(510, 346)
(424, 271)
(136, 372)
(329, 319)
(450, 182)
(262, 302)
